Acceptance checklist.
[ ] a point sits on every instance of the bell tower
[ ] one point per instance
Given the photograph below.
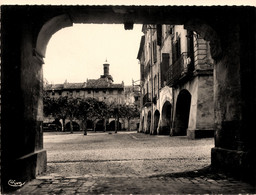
(106, 71)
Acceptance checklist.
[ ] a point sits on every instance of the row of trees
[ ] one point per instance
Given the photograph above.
(86, 109)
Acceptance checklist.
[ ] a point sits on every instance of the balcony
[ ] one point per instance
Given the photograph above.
(180, 70)
(147, 99)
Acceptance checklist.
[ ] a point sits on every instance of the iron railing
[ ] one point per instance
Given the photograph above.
(179, 69)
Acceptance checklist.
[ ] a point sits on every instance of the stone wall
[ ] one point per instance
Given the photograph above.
(205, 104)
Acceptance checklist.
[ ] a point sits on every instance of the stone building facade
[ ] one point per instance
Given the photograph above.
(103, 89)
(177, 82)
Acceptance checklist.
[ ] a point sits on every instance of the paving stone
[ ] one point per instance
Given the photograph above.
(73, 180)
(134, 170)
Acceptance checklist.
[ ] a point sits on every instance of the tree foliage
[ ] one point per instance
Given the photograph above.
(75, 108)
(56, 107)
(86, 109)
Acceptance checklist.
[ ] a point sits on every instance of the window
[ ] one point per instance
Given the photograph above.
(176, 50)
(164, 67)
(154, 52)
(155, 85)
(159, 34)
(89, 92)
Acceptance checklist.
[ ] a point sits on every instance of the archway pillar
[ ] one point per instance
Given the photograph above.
(232, 45)
(234, 99)
(32, 96)
(23, 155)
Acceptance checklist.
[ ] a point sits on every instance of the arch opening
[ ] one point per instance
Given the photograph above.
(112, 125)
(76, 126)
(99, 126)
(166, 119)
(89, 125)
(182, 113)
(156, 121)
(148, 123)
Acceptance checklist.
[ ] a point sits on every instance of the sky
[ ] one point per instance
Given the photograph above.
(78, 52)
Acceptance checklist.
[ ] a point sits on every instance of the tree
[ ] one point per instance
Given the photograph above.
(56, 107)
(72, 108)
(128, 112)
(86, 111)
(102, 112)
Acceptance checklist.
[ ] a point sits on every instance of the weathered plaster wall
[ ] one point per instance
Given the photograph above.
(31, 86)
(181, 32)
(145, 125)
(227, 94)
(22, 87)
(205, 104)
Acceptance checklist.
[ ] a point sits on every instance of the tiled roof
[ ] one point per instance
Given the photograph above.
(74, 85)
(102, 83)
(54, 86)
(97, 83)
(91, 83)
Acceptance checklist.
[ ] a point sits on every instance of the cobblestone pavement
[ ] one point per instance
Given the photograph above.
(199, 183)
(130, 163)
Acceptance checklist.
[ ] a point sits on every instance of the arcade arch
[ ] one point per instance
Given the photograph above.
(76, 126)
(99, 125)
(112, 125)
(166, 118)
(182, 112)
(156, 121)
(148, 122)
(89, 125)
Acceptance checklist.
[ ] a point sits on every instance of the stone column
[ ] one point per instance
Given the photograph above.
(234, 103)
(23, 156)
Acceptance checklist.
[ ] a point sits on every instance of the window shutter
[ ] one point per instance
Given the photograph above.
(159, 34)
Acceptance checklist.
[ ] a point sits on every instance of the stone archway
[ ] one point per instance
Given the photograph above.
(166, 119)
(76, 126)
(99, 126)
(49, 28)
(89, 125)
(182, 113)
(156, 121)
(231, 36)
(112, 125)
